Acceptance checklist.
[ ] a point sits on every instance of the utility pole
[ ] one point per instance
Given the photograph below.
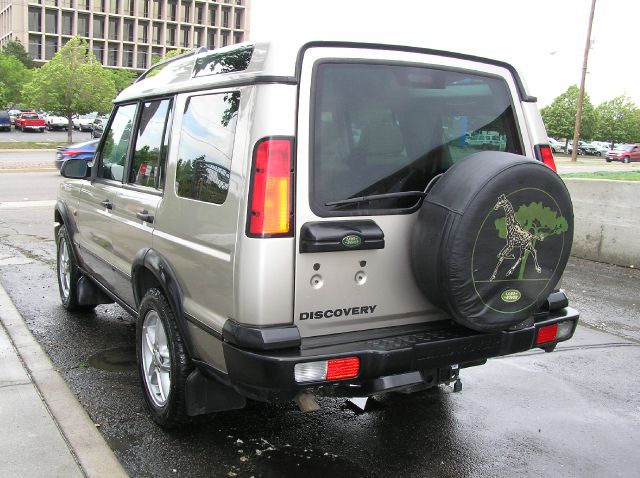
(576, 134)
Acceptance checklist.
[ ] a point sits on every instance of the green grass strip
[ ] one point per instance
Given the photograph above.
(614, 175)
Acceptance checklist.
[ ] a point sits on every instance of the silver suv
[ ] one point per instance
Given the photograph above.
(337, 218)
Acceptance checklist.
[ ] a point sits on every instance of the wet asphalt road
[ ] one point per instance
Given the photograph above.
(575, 412)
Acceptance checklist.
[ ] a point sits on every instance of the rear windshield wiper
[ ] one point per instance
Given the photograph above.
(374, 197)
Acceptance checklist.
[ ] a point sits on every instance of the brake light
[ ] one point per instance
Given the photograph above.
(270, 201)
(334, 369)
(71, 153)
(547, 334)
(545, 154)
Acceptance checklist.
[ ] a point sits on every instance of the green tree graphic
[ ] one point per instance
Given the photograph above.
(539, 220)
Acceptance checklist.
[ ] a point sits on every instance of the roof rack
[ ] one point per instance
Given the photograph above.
(186, 54)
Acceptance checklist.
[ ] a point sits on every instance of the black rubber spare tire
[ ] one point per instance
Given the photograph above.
(492, 239)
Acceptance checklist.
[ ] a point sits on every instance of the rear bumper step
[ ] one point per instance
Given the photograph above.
(386, 361)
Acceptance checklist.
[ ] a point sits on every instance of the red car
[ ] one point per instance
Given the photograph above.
(30, 120)
(625, 153)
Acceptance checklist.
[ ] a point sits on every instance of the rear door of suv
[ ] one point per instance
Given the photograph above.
(374, 122)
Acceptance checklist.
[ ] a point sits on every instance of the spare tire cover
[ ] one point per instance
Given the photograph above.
(492, 239)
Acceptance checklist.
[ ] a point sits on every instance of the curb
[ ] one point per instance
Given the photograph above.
(85, 443)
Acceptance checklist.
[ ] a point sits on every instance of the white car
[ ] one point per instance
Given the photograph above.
(84, 122)
(556, 146)
(56, 122)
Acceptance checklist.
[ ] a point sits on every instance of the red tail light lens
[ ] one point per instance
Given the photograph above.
(71, 153)
(343, 368)
(544, 154)
(547, 334)
(270, 202)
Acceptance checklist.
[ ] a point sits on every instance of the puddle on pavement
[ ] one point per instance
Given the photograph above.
(118, 359)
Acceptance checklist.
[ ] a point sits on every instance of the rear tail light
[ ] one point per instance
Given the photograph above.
(270, 212)
(334, 369)
(545, 154)
(547, 334)
(71, 153)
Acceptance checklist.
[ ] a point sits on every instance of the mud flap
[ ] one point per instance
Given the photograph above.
(207, 395)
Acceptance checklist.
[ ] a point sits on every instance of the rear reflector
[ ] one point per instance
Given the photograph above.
(270, 201)
(544, 154)
(334, 369)
(547, 334)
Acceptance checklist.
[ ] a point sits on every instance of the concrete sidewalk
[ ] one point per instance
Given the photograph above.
(45, 431)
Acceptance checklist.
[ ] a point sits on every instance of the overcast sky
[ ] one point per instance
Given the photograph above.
(545, 39)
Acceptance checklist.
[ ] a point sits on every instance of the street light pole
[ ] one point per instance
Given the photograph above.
(576, 134)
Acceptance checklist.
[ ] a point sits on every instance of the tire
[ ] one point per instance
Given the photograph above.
(68, 274)
(163, 362)
(626, 160)
(607, 160)
(460, 250)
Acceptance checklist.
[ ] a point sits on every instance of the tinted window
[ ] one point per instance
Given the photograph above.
(116, 144)
(206, 146)
(150, 150)
(387, 128)
(226, 62)
(4, 114)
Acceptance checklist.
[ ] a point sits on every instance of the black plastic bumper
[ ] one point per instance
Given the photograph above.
(268, 375)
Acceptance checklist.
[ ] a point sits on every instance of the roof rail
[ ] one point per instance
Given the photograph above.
(195, 51)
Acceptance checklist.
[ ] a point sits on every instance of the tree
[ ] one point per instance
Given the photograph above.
(618, 120)
(560, 116)
(539, 220)
(16, 49)
(121, 78)
(72, 82)
(13, 76)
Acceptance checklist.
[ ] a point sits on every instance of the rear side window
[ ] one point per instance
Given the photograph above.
(206, 146)
(380, 128)
(150, 151)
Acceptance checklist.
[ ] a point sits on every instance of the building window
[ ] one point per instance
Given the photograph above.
(35, 46)
(238, 19)
(130, 7)
(127, 29)
(67, 23)
(83, 5)
(143, 8)
(171, 35)
(185, 12)
(35, 19)
(156, 54)
(98, 27)
(225, 38)
(51, 21)
(113, 29)
(157, 9)
(157, 30)
(98, 50)
(211, 40)
(184, 36)
(127, 56)
(225, 18)
(113, 6)
(50, 47)
(143, 32)
(173, 11)
(198, 37)
(199, 13)
(53, 3)
(213, 9)
(237, 37)
(238, 2)
(142, 58)
(66, 3)
(112, 59)
(100, 5)
(83, 24)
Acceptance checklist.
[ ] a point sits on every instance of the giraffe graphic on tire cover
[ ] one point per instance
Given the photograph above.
(517, 237)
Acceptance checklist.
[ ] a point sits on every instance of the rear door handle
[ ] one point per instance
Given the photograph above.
(145, 216)
(107, 204)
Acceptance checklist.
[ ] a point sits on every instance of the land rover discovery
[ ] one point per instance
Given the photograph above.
(341, 218)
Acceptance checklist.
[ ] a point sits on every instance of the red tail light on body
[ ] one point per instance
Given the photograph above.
(545, 154)
(270, 199)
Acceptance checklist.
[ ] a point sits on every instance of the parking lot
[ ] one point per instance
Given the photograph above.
(14, 136)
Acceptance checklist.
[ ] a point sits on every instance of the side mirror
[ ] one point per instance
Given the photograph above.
(75, 169)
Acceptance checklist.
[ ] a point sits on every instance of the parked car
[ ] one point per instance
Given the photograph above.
(98, 127)
(13, 114)
(556, 146)
(5, 121)
(30, 120)
(625, 153)
(582, 145)
(83, 122)
(84, 151)
(202, 193)
(53, 122)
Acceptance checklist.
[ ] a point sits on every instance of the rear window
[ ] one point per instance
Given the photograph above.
(4, 114)
(380, 128)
